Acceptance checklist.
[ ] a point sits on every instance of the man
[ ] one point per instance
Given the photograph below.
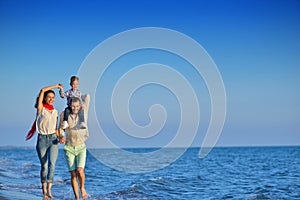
(75, 148)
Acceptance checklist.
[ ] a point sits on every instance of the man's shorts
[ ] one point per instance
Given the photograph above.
(76, 156)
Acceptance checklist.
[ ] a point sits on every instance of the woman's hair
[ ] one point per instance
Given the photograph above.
(45, 94)
(74, 78)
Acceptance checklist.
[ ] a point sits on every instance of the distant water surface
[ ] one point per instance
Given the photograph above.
(226, 173)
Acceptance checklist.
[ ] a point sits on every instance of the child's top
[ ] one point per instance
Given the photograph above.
(69, 94)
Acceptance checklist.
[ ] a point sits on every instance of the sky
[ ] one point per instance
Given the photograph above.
(254, 44)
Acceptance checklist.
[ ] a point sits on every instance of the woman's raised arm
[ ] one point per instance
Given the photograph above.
(41, 96)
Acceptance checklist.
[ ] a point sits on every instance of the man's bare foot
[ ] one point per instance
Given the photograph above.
(50, 195)
(84, 194)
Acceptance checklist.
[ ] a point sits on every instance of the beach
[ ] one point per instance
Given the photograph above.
(227, 172)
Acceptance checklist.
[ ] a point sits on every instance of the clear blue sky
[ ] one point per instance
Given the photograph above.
(255, 45)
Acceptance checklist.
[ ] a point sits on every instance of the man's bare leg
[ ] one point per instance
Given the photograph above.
(81, 178)
(74, 184)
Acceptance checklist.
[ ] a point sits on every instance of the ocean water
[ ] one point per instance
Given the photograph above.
(226, 173)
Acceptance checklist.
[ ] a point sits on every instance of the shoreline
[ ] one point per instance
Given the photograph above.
(12, 195)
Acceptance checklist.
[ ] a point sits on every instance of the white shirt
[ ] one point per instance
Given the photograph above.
(46, 121)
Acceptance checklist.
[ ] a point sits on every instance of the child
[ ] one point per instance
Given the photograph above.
(73, 92)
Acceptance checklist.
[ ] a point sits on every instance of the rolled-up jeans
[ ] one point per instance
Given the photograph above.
(47, 150)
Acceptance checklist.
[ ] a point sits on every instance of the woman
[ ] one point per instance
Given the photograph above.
(47, 142)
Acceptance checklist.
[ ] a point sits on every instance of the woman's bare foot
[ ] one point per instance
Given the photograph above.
(44, 185)
(49, 190)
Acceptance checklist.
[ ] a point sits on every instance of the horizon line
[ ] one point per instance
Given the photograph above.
(3, 147)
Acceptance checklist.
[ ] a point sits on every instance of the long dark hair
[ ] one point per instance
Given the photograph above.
(45, 94)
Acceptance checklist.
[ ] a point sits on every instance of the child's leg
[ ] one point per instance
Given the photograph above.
(81, 115)
(67, 113)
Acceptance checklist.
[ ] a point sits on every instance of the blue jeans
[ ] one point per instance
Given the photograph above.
(47, 150)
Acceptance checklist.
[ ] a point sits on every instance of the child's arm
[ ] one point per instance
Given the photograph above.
(82, 98)
(62, 93)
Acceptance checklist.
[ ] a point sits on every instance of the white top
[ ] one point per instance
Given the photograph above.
(75, 136)
(46, 121)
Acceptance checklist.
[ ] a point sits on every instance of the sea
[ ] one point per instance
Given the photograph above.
(225, 173)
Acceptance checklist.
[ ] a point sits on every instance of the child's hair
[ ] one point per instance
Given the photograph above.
(73, 78)
(45, 94)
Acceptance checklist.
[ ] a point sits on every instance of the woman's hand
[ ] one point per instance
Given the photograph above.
(60, 86)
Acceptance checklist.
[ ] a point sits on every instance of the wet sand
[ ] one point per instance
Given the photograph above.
(12, 195)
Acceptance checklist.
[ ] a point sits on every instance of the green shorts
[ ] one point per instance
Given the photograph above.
(76, 156)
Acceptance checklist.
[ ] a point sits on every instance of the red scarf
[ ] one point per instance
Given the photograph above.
(33, 127)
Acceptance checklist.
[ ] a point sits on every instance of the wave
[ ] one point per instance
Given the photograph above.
(227, 173)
